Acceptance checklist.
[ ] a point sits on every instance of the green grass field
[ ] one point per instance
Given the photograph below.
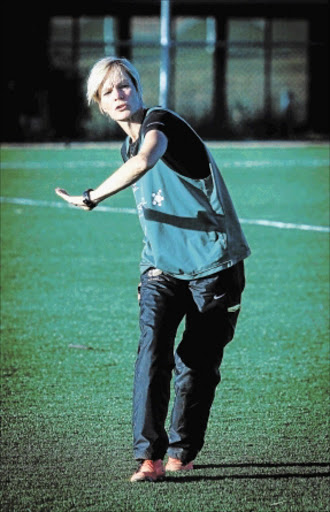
(70, 331)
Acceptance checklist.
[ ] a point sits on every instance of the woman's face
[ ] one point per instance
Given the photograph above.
(119, 97)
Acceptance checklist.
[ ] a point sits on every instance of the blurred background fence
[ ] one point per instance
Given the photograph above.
(233, 77)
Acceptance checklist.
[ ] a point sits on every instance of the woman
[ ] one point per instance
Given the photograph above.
(191, 267)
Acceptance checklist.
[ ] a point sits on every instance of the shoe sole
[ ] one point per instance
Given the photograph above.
(177, 470)
(149, 479)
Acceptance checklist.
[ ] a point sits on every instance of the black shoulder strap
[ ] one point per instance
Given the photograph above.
(125, 149)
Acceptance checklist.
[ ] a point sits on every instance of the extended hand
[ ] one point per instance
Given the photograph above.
(74, 200)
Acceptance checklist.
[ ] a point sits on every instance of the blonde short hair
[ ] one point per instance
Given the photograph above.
(100, 71)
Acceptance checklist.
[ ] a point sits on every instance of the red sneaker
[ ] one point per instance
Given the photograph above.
(177, 465)
(149, 471)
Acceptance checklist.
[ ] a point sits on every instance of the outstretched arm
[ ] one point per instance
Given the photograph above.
(153, 148)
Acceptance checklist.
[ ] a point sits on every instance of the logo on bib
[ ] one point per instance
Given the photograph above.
(157, 198)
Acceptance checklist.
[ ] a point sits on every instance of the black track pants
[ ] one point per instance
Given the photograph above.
(210, 306)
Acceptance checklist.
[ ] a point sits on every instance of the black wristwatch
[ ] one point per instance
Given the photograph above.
(87, 199)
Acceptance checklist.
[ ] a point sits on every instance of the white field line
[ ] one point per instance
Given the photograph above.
(56, 204)
(285, 225)
(231, 164)
(132, 211)
(63, 146)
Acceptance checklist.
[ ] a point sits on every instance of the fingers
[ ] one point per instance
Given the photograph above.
(62, 193)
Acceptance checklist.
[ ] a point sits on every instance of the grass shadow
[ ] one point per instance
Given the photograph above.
(303, 470)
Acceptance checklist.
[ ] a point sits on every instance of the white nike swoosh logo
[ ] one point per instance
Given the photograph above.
(217, 297)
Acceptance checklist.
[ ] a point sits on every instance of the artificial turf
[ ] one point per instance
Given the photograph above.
(70, 328)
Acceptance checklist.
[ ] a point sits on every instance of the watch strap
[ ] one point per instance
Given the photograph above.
(87, 198)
